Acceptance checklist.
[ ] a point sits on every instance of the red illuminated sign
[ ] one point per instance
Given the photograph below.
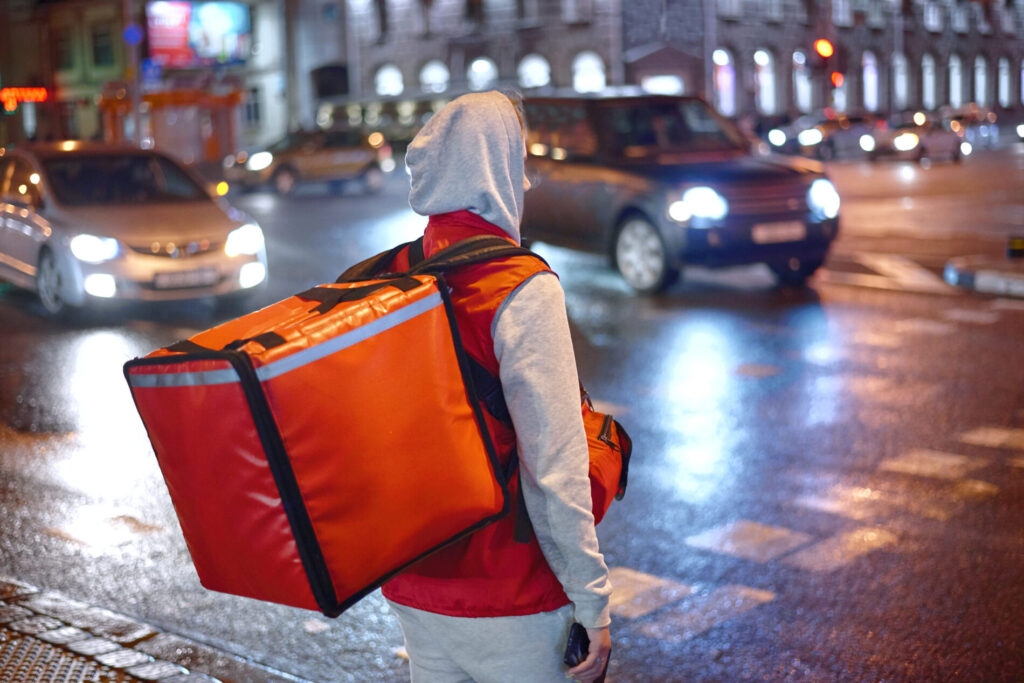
(12, 96)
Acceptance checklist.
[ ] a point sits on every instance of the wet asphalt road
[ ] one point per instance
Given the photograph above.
(827, 483)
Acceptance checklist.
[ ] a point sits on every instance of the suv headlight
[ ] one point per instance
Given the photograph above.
(259, 161)
(93, 249)
(247, 240)
(823, 198)
(699, 202)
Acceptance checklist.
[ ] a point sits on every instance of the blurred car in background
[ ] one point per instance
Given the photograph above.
(337, 157)
(660, 182)
(81, 222)
(837, 137)
(923, 138)
(975, 125)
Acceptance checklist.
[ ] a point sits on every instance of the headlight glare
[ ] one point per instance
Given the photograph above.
(259, 161)
(867, 143)
(823, 198)
(93, 249)
(700, 202)
(777, 137)
(809, 137)
(247, 239)
(905, 142)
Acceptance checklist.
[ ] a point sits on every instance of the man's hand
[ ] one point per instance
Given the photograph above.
(591, 668)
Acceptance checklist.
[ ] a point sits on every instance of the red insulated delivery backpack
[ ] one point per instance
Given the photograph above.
(317, 447)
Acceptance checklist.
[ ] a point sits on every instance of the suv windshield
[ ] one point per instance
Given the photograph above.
(644, 129)
(119, 179)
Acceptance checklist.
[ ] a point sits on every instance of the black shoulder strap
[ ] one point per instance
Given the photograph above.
(466, 252)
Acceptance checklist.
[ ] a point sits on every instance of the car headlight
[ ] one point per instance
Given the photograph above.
(1020, 130)
(259, 161)
(247, 239)
(699, 202)
(809, 137)
(905, 142)
(867, 143)
(93, 249)
(823, 198)
(777, 137)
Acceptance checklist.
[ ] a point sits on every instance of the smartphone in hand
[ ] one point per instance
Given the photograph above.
(578, 645)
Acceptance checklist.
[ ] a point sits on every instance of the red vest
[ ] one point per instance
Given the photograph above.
(486, 574)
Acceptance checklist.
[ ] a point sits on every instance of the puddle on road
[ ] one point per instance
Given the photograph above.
(102, 527)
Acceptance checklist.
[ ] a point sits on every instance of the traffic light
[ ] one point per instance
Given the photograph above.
(824, 48)
(837, 79)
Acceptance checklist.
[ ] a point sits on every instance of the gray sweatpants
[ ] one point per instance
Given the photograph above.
(524, 649)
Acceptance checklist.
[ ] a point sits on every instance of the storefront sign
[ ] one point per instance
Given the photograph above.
(11, 97)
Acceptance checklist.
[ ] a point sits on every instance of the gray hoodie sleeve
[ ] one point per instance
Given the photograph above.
(539, 380)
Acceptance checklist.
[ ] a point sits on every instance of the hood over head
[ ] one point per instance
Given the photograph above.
(469, 156)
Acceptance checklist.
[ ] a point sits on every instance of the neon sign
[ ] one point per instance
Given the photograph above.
(12, 96)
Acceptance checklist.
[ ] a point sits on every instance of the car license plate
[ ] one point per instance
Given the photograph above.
(179, 279)
(783, 231)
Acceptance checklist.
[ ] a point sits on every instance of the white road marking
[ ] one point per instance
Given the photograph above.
(995, 437)
(838, 551)
(963, 315)
(925, 463)
(637, 594)
(749, 540)
(975, 489)
(924, 326)
(704, 612)
(1008, 305)
(863, 503)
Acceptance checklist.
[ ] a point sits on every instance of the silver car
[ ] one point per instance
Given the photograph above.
(81, 222)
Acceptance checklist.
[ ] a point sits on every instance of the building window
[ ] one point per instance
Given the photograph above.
(728, 8)
(527, 11)
(534, 72)
(577, 11)
(961, 24)
(982, 21)
(388, 81)
(981, 81)
(64, 48)
(102, 45)
(876, 14)
(933, 16)
(382, 19)
(434, 76)
(1004, 82)
(773, 10)
(842, 13)
(725, 82)
(1009, 26)
(869, 80)
(956, 81)
(928, 82)
(474, 12)
(253, 109)
(802, 83)
(663, 84)
(900, 81)
(588, 72)
(482, 73)
(764, 76)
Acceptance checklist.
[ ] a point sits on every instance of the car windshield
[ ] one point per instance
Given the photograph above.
(667, 127)
(119, 179)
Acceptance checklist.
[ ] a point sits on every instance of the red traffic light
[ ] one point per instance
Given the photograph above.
(824, 48)
(837, 79)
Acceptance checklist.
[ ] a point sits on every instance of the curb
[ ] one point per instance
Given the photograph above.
(47, 636)
(987, 275)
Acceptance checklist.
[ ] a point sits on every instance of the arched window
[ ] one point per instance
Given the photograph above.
(802, 83)
(929, 98)
(725, 82)
(869, 80)
(663, 84)
(1004, 82)
(434, 76)
(981, 81)
(588, 72)
(764, 73)
(388, 80)
(900, 81)
(534, 72)
(956, 81)
(482, 73)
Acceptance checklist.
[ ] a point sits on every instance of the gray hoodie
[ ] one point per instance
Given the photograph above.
(470, 155)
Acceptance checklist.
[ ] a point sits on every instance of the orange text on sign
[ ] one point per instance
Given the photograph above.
(12, 96)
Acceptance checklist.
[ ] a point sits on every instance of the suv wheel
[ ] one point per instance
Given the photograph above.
(641, 257)
(49, 283)
(285, 180)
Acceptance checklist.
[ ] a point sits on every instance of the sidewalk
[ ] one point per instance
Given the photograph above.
(989, 274)
(45, 636)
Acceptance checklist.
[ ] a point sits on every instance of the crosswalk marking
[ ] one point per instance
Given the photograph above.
(924, 326)
(962, 315)
(749, 540)
(1008, 305)
(703, 612)
(925, 463)
(862, 503)
(636, 594)
(838, 551)
(995, 437)
(975, 489)
(879, 339)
